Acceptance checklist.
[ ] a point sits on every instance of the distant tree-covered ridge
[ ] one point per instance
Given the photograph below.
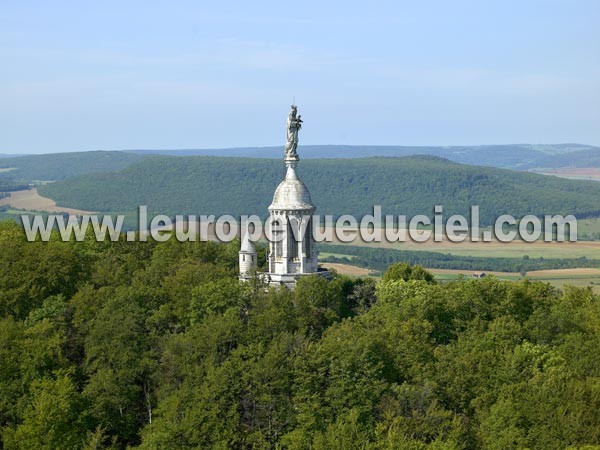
(511, 156)
(58, 166)
(409, 185)
(149, 345)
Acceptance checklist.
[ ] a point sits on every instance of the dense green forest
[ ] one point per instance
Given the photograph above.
(380, 258)
(158, 346)
(410, 185)
(58, 166)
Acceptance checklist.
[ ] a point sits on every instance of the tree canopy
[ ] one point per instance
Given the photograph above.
(156, 345)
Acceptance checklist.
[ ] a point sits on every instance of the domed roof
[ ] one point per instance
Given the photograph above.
(291, 193)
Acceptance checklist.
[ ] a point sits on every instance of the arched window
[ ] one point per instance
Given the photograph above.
(308, 238)
(292, 243)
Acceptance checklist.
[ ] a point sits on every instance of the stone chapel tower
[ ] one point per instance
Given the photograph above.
(292, 251)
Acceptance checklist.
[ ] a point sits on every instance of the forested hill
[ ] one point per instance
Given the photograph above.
(409, 185)
(58, 166)
(512, 156)
(581, 158)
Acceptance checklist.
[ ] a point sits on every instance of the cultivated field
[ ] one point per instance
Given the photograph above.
(590, 173)
(347, 269)
(495, 248)
(30, 200)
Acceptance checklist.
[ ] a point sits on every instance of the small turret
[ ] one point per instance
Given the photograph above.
(247, 257)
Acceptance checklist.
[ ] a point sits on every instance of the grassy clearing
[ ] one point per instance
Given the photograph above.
(589, 225)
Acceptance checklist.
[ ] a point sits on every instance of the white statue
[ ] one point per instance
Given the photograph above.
(293, 126)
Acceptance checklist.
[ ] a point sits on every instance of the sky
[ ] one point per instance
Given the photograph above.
(84, 75)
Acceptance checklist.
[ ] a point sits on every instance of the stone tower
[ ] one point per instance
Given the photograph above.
(247, 258)
(292, 249)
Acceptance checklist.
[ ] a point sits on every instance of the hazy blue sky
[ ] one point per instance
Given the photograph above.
(85, 75)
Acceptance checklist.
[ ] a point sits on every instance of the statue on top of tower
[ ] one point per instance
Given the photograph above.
(293, 125)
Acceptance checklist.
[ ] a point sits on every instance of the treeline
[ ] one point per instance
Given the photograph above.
(511, 156)
(59, 166)
(145, 345)
(589, 157)
(409, 186)
(380, 258)
(8, 185)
